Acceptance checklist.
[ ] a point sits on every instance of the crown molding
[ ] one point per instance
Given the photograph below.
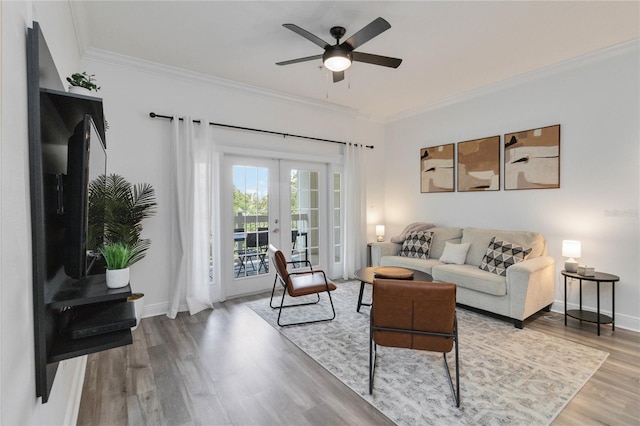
(550, 70)
(124, 61)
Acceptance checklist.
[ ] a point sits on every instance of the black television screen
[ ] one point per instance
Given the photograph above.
(86, 164)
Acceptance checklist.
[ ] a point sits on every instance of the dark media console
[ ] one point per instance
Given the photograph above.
(75, 313)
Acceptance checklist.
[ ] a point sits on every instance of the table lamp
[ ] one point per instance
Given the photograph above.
(380, 232)
(571, 249)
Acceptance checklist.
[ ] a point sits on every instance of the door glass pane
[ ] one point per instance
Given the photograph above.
(337, 224)
(305, 217)
(250, 220)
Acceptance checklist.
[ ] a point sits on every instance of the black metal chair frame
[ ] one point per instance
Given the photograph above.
(252, 244)
(373, 347)
(263, 244)
(284, 292)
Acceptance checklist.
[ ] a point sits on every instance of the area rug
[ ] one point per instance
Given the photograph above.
(507, 375)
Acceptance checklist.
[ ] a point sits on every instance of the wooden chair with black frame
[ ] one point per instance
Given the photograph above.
(415, 315)
(297, 284)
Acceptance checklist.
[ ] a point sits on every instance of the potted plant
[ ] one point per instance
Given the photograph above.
(116, 257)
(125, 207)
(82, 83)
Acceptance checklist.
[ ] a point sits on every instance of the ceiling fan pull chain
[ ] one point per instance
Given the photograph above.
(326, 82)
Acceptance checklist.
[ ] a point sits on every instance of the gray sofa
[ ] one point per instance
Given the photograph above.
(527, 287)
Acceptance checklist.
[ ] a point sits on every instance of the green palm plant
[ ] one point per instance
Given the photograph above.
(125, 206)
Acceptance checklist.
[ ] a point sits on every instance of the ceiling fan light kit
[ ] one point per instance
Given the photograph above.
(336, 59)
(339, 57)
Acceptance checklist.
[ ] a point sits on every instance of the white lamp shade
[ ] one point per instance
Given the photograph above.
(379, 229)
(571, 248)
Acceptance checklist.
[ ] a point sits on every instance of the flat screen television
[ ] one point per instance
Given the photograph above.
(84, 220)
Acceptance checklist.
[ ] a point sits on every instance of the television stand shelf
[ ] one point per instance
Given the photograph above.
(92, 289)
(101, 314)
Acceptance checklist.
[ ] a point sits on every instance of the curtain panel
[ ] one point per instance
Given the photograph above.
(354, 202)
(191, 205)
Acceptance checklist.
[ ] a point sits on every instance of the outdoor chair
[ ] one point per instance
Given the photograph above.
(297, 284)
(248, 253)
(415, 315)
(263, 247)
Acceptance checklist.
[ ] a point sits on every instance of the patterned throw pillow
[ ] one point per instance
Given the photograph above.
(502, 254)
(417, 244)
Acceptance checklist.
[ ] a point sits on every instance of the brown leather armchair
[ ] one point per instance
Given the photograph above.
(296, 284)
(416, 315)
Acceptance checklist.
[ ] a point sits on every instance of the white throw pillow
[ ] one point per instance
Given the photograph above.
(455, 253)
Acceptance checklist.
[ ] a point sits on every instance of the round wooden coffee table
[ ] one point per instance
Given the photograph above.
(367, 275)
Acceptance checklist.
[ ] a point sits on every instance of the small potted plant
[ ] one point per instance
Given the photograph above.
(82, 83)
(116, 257)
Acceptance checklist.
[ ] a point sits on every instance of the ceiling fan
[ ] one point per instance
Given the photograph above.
(338, 57)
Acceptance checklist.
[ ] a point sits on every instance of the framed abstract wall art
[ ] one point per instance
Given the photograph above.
(532, 159)
(437, 168)
(479, 165)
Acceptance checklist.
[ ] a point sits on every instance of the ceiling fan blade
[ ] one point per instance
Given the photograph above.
(295, 61)
(338, 76)
(306, 34)
(385, 61)
(378, 26)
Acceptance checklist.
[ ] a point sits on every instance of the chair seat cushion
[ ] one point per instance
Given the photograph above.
(308, 283)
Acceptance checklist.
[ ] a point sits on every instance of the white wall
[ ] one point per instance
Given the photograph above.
(18, 402)
(595, 100)
(139, 147)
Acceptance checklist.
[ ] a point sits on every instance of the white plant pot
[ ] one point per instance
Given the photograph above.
(80, 91)
(138, 306)
(117, 278)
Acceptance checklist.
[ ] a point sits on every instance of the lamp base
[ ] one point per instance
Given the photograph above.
(380, 238)
(571, 265)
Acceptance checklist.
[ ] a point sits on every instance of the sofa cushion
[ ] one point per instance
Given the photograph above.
(410, 262)
(479, 239)
(440, 237)
(471, 277)
(502, 254)
(417, 245)
(454, 253)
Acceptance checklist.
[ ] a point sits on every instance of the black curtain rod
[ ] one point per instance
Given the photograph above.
(229, 126)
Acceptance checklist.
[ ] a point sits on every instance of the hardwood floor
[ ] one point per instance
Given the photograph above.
(227, 366)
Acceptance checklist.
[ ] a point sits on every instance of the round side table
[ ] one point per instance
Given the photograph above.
(595, 317)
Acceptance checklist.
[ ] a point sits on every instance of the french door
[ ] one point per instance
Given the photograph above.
(277, 202)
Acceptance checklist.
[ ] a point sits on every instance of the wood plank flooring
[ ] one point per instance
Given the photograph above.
(228, 367)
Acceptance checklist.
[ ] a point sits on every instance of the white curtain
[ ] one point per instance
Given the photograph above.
(354, 202)
(191, 192)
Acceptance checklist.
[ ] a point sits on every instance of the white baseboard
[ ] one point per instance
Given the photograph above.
(75, 392)
(155, 309)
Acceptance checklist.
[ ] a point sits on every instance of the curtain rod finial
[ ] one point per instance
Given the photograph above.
(152, 114)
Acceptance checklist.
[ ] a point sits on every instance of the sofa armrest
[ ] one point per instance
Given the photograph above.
(383, 249)
(532, 286)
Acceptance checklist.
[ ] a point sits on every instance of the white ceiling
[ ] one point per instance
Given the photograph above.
(448, 47)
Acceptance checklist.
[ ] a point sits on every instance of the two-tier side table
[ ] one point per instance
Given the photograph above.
(595, 317)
